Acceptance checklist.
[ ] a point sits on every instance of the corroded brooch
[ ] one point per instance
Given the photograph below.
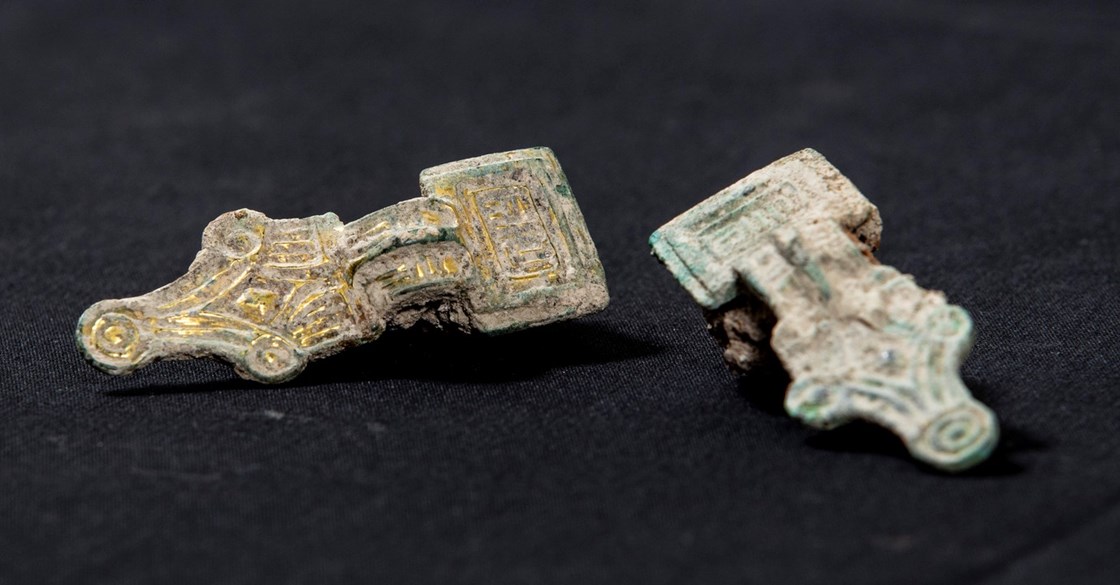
(782, 263)
(495, 243)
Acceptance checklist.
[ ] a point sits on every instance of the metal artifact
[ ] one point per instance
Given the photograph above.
(782, 263)
(496, 243)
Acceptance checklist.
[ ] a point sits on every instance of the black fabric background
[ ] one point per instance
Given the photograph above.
(616, 449)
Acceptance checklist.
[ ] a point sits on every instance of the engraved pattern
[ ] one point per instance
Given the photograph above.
(516, 234)
(893, 361)
(262, 293)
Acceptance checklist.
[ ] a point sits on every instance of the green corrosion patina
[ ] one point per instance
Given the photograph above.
(782, 263)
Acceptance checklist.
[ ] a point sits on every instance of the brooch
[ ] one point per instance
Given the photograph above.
(782, 264)
(494, 244)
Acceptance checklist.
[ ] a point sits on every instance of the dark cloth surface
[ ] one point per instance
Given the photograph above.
(615, 449)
